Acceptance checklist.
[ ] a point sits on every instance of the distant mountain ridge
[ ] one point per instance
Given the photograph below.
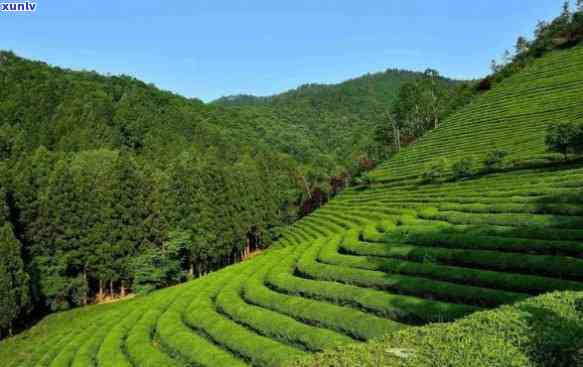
(339, 119)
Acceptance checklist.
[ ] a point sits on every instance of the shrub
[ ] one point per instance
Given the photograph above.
(543, 331)
(363, 272)
(203, 316)
(363, 180)
(394, 306)
(111, 351)
(269, 323)
(435, 170)
(181, 342)
(465, 168)
(554, 266)
(565, 138)
(494, 158)
(531, 284)
(348, 321)
(478, 239)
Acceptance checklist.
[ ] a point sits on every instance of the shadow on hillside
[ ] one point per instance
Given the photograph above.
(563, 215)
(525, 165)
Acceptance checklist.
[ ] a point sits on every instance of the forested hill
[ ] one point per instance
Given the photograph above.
(365, 96)
(329, 122)
(343, 119)
(74, 111)
(109, 182)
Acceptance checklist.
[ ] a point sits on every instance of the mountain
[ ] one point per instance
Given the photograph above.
(340, 119)
(474, 216)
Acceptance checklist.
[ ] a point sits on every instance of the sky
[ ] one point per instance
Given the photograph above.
(208, 49)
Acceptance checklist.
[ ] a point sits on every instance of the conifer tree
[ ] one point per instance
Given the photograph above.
(14, 281)
(128, 214)
(30, 182)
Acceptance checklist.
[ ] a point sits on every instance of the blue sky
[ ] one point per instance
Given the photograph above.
(208, 49)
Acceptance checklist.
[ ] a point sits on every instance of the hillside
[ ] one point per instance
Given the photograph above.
(548, 90)
(340, 120)
(385, 259)
(364, 97)
(311, 124)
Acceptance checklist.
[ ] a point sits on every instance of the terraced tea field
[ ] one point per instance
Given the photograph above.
(512, 116)
(399, 254)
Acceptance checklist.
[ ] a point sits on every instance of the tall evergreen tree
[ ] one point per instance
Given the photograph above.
(128, 215)
(14, 281)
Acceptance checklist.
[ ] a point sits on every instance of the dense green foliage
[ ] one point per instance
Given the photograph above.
(352, 117)
(14, 281)
(108, 179)
(565, 138)
(473, 216)
(544, 331)
(421, 106)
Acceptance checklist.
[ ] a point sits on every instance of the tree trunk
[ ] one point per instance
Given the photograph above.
(100, 295)
(434, 109)
(123, 289)
(191, 270)
(307, 187)
(111, 288)
(396, 137)
(84, 300)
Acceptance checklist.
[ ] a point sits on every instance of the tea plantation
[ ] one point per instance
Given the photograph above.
(400, 259)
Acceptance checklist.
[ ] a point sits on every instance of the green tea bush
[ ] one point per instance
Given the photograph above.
(465, 167)
(435, 171)
(202, 315)
(139, 343)
(270, 323)
(565, 137)
(477, 239)
(554, 266)
(542, 331)
(111, 352)
(349, 321)
(87, 353)
(185, 344)
(494, 159)
(364, 272)
(398, 307)
(69, 352)
(554, 222)
(531, 284)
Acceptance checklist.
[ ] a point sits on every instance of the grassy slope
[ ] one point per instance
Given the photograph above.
(384, 260)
